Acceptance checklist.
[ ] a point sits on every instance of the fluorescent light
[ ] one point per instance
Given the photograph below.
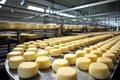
(2, 2)
(35, 8)
(67, 15)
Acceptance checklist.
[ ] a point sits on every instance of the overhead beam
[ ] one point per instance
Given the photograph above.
(88, 5)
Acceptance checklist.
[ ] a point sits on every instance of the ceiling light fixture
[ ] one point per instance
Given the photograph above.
(35, 8)
(2, 2)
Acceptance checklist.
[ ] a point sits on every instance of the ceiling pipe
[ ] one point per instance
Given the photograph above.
(88, 5)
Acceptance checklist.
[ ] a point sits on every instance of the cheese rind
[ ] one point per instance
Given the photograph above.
(83, 63)
(14, 61)
(99, 70)
(71, 58)
(66, 73)
(44, 53)
(91, 56)
(29, 56)
(27, 69)
(55, 52)
(43, 62)
(14, 53)
(58, 63)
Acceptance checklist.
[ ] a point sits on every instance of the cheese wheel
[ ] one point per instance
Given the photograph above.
(93, 47)
(70, 47)
(48, 48)
(76, 45)
(43, 62)
(80, 53)
(32, 46)
(102, 49)
(44, 53)
(56, 46)
(88, 50)
(19, 49)
(43, 45)
(14, 53)
(99, 70)
(83, 63)
(55, 52)
(52, 43)
(14, 61)
(29, 56)
(93, 57)
(58, 63)
(33, 50)
(71, 58)
(111, 56)
(113, 52)
(66, 73)
(31, 42)
(21, 46)
(97, 52)
(106, 61)
(27, 69)
(26, 44)
(64, 49)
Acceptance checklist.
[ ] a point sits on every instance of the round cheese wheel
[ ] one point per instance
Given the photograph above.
(93, 57)
(83, 63)
(22, 46)
(87, 49)
(27, 69)
(26, 44)
(99, 70)
(43, 62)
(66, 73)
(111, 56)
(102, 49)
(71, 58)
(14, 61)
(19, 49)
(32, 46)
(70, 47)
(33, 50)
(93, 47)
(76, 45)
(29, 56)
(106, 61)
(14, 53)
(58, 63)
(56, 46)
(113, 52)
(48, 48)
(64, 49)
(55, 52)
(43, 45)
(97, 52)
(80, 53)
(43, 53)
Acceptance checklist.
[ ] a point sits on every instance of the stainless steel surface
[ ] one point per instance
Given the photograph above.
(49, 74)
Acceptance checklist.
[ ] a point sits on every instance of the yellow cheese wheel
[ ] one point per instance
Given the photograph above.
(71, 58)
(32, 46)
(29, 56)
(83, 63)
(26, 44)
(106, 61)
(43, 62)
(55, 52)
(113, 52)
(43, 45)
(64, 49)
(102, 49)
(111, 56)
(19, 49)
(99, 70)
(22, 46)
(80, 53)
(66, 73)
(14, 53)
(88, 50)
(43, 53)
(14, 61)
(33, 50)
(93, 57)
(97, 52)
(48, 48)
(70, 47)
(27, 69)
(58, 63)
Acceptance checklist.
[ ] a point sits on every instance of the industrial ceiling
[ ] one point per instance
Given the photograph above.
(59, 10)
